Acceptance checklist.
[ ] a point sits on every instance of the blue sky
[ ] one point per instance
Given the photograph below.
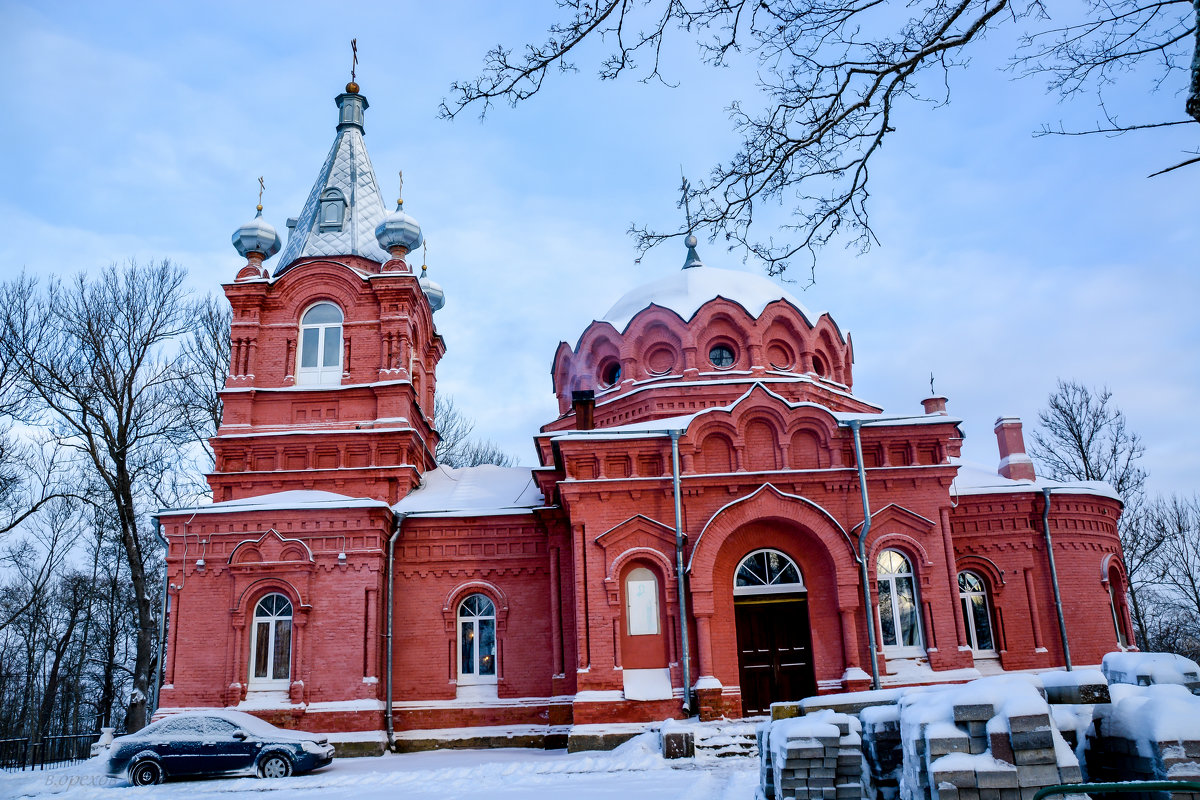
(1006, 261)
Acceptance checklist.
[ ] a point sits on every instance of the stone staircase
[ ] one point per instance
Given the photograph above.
(726, 739)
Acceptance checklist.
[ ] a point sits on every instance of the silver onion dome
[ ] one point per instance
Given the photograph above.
(399, 230)
(433, 291)
(256, 236)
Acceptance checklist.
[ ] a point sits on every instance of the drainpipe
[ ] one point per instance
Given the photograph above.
(680, 576)
(865, 577)
(1062, 625)
(162, 617)
(391, 572)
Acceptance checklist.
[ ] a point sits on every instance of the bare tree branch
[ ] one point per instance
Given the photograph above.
(837, 76)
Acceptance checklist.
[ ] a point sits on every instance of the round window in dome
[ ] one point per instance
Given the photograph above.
(721, 356)
(819, 366)
(610, 373)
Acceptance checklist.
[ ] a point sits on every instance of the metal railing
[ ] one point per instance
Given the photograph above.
(46, 753)
(1124, 786)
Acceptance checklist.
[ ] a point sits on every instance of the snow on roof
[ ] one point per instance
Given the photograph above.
(973, 479)
(658, 427)
(297, 500)
(485, 490)
(685, 291)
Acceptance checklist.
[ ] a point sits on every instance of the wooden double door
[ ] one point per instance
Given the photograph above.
(774, 643)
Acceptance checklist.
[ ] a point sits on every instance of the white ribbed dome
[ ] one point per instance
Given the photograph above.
(685, 291)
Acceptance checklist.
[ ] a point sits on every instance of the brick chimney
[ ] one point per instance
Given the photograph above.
(1014, 463)
(934, 405)
(584, 403)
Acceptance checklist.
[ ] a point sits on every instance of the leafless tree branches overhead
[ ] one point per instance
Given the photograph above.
(835, 74)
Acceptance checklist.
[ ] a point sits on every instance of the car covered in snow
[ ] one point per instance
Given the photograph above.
(213, 743)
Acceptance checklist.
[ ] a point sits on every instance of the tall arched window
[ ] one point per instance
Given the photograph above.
(977, 613)
(1116, 590)
(476, 640)
(320, 345)
(767, 572)
(899, 609)
(641, 602)
(271, 643)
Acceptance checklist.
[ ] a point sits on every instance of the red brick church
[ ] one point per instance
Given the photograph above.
(692, 541)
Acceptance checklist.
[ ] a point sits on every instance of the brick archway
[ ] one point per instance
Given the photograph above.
(809, 535)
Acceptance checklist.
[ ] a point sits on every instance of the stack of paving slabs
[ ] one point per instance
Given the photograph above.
(1147, 733)
(815, 757)
(991, 739)
(883, 749)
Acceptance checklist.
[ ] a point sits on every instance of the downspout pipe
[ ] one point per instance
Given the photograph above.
(162, 615)
(864, 574)
(391, 576)
(680, 577)
(1062, 625)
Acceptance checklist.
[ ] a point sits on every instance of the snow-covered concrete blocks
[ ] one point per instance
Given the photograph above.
(815, 757)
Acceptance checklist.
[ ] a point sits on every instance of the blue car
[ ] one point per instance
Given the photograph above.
(214, 743)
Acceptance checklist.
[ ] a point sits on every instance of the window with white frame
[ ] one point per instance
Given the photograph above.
(641, 602)
(977, 612)
(899, 608)
(1113, 580)
(767, 572)
(320, 357)
(476, 640)
(271, 643)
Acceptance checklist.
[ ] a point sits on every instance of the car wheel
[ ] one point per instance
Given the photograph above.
(145, 773)
(275, 766)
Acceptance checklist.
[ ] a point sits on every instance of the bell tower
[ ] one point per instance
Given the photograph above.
(333, 357)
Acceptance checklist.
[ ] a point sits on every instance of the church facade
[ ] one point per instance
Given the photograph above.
(709, 502)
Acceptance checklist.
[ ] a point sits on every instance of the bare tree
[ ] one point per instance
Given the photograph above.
(457, 448)
(207, 349)
(1083, 436)
(836, 74)
(1177, 522)
(95, 361)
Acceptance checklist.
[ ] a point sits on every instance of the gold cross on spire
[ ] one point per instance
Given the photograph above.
(354, 57)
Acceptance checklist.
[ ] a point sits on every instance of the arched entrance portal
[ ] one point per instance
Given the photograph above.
(775, 660)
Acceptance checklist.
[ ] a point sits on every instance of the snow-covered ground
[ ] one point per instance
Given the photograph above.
(634, 771)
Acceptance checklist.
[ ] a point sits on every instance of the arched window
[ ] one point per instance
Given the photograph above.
(1115, 590)
(767, 572)
(977, 613)
(899, 609)
(320, 345)
(476, 640)
(641, 602)
(271, 643)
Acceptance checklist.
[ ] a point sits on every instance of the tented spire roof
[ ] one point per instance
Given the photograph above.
(345, 204)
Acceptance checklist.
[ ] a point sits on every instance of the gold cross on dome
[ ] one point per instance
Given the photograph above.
(261, 188)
